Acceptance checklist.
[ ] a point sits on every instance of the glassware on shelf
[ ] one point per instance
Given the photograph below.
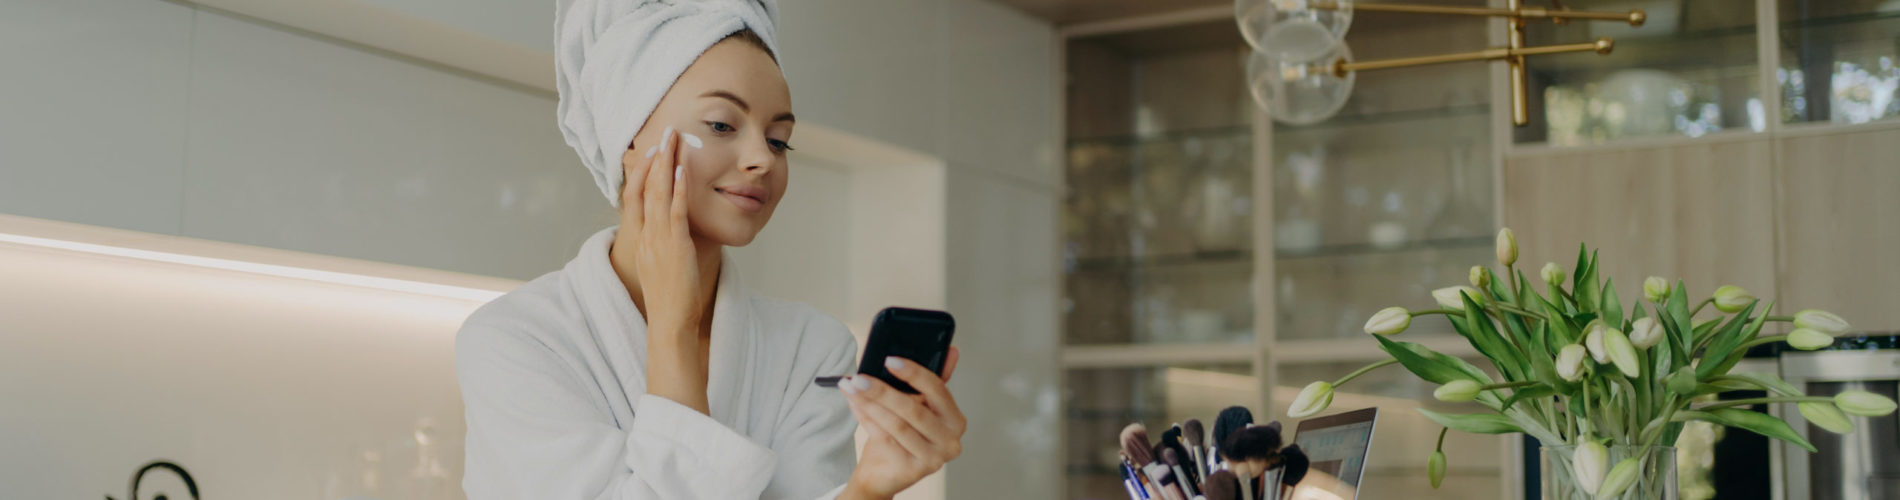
(1838, 61)
(1464, 212)
(1691, 70)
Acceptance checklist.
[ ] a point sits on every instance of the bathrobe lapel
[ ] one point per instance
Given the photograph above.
(618, 326)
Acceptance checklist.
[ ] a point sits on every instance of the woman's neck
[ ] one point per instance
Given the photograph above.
(621, 257)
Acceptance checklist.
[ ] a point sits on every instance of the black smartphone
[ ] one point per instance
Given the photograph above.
(920, 335)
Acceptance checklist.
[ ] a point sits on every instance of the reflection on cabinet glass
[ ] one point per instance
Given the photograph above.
(1102, 401)
(1157, 222)
(1391, 198)
(1691, 70)
(1840, 60)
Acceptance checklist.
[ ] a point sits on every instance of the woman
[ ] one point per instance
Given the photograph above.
(644, 369)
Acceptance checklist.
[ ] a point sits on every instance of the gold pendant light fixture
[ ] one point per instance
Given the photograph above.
(1301, 71)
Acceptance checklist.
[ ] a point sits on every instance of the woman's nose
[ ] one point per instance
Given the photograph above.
(757, 157)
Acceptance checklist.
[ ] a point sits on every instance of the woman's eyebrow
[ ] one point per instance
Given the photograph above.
(736, 101)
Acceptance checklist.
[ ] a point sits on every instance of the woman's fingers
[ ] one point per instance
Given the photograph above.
(659, 179)
(888, 421)
(633, 194)
(950, 363)
(931, 387)
(912, 410)
(678, 210)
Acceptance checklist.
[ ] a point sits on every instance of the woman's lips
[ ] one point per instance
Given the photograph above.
(748, 201)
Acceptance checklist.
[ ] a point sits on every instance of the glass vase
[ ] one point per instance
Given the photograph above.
(1655, 477)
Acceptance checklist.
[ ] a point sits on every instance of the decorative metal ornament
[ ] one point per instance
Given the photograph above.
(1301, 71)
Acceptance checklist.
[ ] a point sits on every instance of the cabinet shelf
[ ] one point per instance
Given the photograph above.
(1245, 257)
(1355, 249)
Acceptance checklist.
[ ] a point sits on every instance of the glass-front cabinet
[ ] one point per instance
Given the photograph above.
(1689, 71)
(1839, 60)
(1213, 257)
(1180, 300)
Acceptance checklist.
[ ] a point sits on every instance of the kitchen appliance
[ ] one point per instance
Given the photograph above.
(1861, 464)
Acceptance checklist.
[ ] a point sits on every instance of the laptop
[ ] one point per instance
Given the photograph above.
(1336, 445)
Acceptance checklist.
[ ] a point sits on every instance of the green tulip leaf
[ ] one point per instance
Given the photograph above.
(1477, 328)
(1678, 321)
(1728, 339)
(1532, 392)
(1475, 423)
(1753, 421)
(1612, 309)
(1430, 365)
(1763, 381)
(1748, 333)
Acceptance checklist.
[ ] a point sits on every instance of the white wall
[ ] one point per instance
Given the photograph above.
(155, 116)
(260, 386)
(971, 82)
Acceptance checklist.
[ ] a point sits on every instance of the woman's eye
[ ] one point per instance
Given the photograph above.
(720, 127)
(780, 146)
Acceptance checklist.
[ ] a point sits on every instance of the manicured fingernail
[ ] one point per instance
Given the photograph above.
(894, 363)
(861, 383)
(844, 384)
(666, 137)
(678, 170)
(652, 150)
(692, 140)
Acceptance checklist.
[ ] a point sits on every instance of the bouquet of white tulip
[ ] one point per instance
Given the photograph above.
(1591, 379)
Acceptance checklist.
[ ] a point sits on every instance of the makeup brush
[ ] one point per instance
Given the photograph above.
(1221, 485)
(1165, 482)
(1172, 436)
(1231, 419)
(1136, 487)
(1296, 465)
(1170, 456)
(1256, 443)
(1140, 454)
(1191, 435)
(1188, 474)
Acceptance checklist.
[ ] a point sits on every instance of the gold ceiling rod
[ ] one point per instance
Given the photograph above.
(1515, 13)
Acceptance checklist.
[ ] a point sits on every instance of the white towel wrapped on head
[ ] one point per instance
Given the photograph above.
(615, 59)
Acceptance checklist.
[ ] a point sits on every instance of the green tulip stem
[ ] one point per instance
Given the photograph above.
(1783, 319)
(1778, 399)
(1510, 385)
(1510, 274)
(1761, 340)
(1698, 307)
(1516, 310)
(1441, 438)
(1447, 312)
(1362, 371)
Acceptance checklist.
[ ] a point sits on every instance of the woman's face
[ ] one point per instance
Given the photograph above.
(734, 99)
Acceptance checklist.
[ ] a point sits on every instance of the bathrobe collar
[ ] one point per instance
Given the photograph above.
(617, 325)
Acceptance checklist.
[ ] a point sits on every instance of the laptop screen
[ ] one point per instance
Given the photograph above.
(1336, 446)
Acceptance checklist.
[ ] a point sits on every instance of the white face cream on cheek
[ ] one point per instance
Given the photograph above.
(692, 140)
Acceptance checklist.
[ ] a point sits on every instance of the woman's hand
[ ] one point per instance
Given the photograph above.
(665, 259)
(666, 263)
(911, 435)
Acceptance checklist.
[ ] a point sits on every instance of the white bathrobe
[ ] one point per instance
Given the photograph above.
(553, 376)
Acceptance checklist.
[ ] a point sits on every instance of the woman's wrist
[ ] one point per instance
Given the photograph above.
(856, 490)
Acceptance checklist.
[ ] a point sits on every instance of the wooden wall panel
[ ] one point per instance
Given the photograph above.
(1840, 229)
(1701, 212)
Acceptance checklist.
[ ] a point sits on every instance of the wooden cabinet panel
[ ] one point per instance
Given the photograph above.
(1840, 225)
(1701, 212)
